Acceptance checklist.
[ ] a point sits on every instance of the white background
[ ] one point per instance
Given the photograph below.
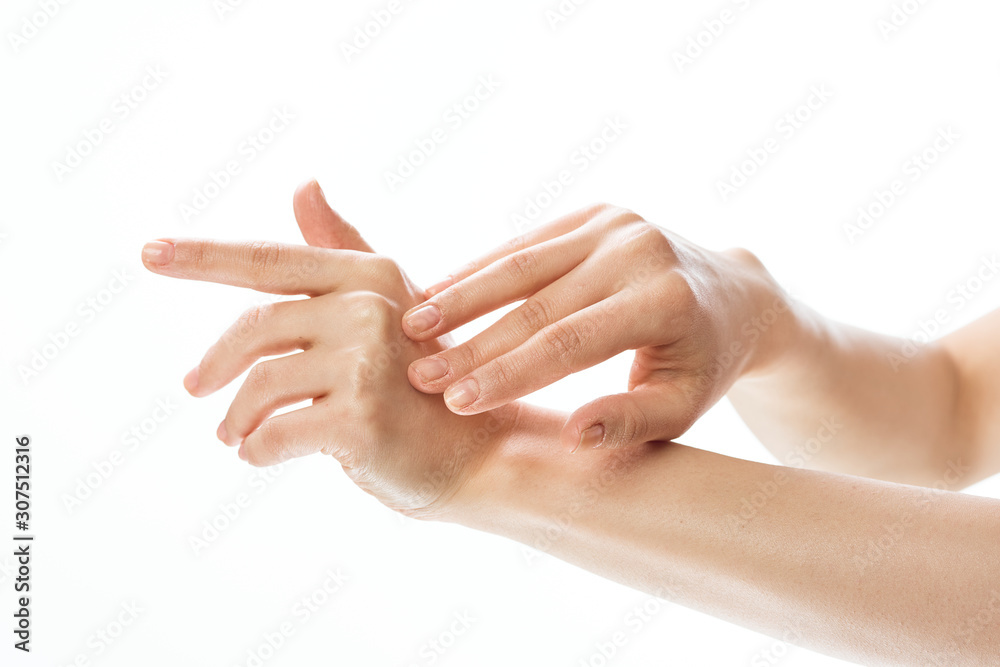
(64, 239)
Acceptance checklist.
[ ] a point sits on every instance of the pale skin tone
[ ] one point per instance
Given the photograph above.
(871, 570)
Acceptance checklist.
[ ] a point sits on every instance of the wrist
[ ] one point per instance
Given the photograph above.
(531, 490)
(771, 326)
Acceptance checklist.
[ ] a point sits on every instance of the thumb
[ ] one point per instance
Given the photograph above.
(321, 226)
(656, 411)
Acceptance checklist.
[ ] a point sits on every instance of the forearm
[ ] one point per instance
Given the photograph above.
(837, 398)
(863, 569)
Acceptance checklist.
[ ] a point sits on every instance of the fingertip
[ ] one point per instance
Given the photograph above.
(437, 288)
(306, 187)
(427, 372)
(420, 321)
(592, 437)
(191, 381)
(460, 396)
(158, 254)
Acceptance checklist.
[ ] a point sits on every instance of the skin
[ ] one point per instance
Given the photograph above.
(868, 570)
(705, 324)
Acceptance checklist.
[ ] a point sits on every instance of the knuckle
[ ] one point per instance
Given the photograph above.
(385, 270)
(198, 253)
(269, 448)
(745, 257)
(372, 310)
(502, 373)
(461, 359)
(259, 379)
(522, 265)
(561, 341)
(257, 315)
(597, 208)
(263, 256)
(535, 314)
(634, 426)
(612, 216)
(249, 323)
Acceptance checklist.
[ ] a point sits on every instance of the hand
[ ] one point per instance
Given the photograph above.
(598, 282)
(403, 447)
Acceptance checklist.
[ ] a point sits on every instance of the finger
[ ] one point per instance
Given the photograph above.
(321, 226)
(550, 230)
(572, 344)
(549, 305)
(266, 267)
(505, 281)
(658, 410)
(264, 330)
(287, 436)
(271, 385)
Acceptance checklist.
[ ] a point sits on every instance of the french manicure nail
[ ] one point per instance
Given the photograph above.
(222, 434)
(592, 437)
(430, 369)
(462, 394)
(159, 253)
(424, 318)
(242, 452)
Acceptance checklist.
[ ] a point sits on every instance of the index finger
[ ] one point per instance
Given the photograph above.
(277, 268)
(546, 232)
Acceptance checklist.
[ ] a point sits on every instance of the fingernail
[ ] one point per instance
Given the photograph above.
(462, 394)
(423, 319)
(222, 434)
(592, 437)
(440, 287)
(159, 253)
(430, 369)
(242, 453)
(191, 380)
